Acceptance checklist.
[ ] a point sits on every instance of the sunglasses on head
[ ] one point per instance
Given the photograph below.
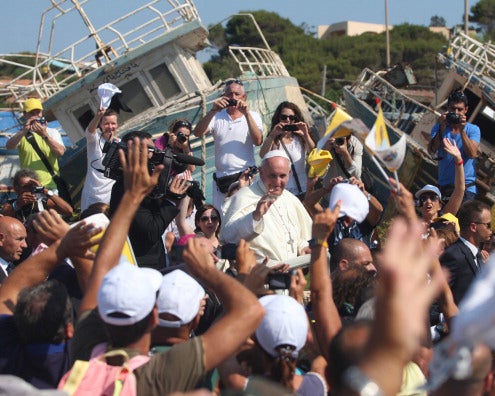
(234, 82)
(206, 218)
(284, 117)
(180, 124)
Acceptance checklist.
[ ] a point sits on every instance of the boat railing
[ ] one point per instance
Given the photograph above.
(258, 61)
(400, 109)
(473, 59)
(54, 69)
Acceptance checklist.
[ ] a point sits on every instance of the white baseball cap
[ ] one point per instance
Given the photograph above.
(354, 203)
(285, 323)
(128, 293)
(180, 295)
(429, 188)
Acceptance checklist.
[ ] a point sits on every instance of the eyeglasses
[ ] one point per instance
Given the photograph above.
(206, 218)
(487, 225)
(180, 124)
(285, 117)
(239, 82)
(431, 197)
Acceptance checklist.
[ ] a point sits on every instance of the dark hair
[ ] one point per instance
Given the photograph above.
(133, 134)
(470, 212)
(122, 336)
(97, 207)
(284, 366)
(42, 312)
(286, 105)
(200, 212)
(350, 288)
(457, 96)
(110, 112)
(21, 174)
(176, 124)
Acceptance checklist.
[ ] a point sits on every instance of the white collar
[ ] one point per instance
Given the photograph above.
(471, 247)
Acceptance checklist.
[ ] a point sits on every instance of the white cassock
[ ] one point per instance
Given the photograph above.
(280, 234)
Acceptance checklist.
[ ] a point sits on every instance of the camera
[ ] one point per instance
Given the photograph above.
(279, 280)
(340, 141)
(290, 127)
(38, 190)
(252, 171)
(232, 102)
(181, 137)
(173, 164)
(40, 120)
(453, 118)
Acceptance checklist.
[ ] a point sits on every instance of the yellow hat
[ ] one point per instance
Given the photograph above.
(32, 104)
(318, 161)
(449, 217)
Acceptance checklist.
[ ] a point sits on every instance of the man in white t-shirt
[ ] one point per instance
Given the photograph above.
(97, 187)
(236, 131)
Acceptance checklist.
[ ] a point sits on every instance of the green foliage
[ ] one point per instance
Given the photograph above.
(437, 21)
(483, 13)
(305, 56)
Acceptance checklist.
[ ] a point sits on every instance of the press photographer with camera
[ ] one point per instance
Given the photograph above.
(291, 134)
(33, 197)
(34, 137)
(347, 152)
(177, 139)
(236, 130)
(453, 125)
(159, 208)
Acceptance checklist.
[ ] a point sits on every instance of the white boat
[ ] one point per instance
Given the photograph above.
(470, 66)
(149, 52)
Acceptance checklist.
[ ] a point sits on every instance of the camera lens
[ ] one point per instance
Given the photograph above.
(181, 137)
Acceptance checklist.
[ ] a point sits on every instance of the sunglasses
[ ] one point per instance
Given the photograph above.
(487, 225)
(239, 82)
(206, 218)
(431, 197)
(180, 124)
(285, 117)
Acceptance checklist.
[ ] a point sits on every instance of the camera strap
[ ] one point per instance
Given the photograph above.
(31, 139)
(296, 178)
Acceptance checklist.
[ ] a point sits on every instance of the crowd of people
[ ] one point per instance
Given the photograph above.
(282, 285)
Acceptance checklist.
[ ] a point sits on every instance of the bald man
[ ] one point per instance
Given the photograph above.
(12, 243)
(265, 214)
(351, 252)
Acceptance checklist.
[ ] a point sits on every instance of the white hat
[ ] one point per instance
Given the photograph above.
(276, 153)
(429, 188)
(285, 323)
(128, 293)
(180, 295)
(354, 203)
(106, 92)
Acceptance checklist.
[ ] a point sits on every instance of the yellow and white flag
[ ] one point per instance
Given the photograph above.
(379, 144)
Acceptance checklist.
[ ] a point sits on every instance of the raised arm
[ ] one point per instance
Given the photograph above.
(137, 183)
(93, 124)
(455, 200)
(241, 311)
(324, 309)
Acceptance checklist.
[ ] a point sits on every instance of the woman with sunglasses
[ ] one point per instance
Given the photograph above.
(177, 139)
(290, 133)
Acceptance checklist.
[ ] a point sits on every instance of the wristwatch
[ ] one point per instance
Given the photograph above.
(313, 242)
(49, 193)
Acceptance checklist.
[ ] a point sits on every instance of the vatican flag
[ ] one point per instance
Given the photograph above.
(378, 143)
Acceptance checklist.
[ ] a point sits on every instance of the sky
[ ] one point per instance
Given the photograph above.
(21, 18)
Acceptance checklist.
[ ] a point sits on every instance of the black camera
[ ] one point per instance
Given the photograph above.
(279, 280)
(40, 120)
(252, 171)
(181, 137)
(453, 118)
(340, 141)
(232, 102)
(290, 127)
(38, 190)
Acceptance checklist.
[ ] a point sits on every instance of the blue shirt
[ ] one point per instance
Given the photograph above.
(446, 163)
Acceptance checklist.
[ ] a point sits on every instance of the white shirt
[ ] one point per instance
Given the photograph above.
(4, 264)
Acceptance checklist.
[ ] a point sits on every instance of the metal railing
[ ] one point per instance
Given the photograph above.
(54, 68)
(258, 61)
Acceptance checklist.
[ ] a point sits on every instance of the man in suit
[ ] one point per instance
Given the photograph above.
(463, 258)
(12, 243)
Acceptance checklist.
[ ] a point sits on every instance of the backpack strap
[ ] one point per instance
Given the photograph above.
(75, 376)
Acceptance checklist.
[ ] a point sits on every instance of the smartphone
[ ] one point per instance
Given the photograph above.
(290, 127)
(279, 280)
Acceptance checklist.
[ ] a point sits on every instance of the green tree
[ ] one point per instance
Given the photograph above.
(437, 21)
(483, 13)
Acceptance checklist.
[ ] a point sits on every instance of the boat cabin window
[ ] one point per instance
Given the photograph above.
(134, 96)
(165, 81)
(84, 115)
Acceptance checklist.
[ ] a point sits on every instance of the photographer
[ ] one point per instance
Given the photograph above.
(453, 125)
(348, 157)
(154, 214)
(177, 139)
(48, 141)
(33, 197)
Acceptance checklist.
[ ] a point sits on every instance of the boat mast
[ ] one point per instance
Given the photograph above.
(387, 35)
(466, 16)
